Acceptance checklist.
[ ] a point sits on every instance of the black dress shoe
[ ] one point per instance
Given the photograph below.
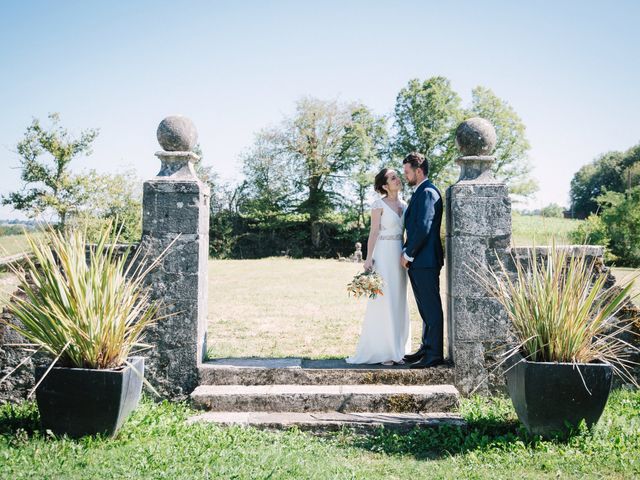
(427, 363)
(415, 357)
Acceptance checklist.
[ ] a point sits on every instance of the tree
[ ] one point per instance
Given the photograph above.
(553, 210)
(592, 180)
(300, 164)
(223, 217)
(270, 183)
(617, 227)
(204, 172)
(364, 146)
(512, 163)
(314, 141)
(621, 215)
(48, 185)
(115, 197)
(426, 115)
(631, 166)
(611, 172)
(593, 231)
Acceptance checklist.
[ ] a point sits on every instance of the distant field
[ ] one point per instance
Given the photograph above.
(528, 230)
(12, 244)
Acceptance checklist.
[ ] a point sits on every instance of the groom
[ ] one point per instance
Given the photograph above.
(423, 256)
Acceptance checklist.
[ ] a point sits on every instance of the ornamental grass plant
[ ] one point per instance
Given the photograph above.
(86, 307)
(561, 309)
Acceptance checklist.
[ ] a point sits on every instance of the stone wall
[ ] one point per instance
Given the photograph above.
(17, 385)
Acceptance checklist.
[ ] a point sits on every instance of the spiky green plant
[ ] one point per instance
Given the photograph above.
(87, 314)
(561, 310)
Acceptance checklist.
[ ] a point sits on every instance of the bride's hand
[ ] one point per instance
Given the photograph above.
(368, 265)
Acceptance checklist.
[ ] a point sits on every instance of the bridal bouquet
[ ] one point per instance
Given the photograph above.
(365, 283)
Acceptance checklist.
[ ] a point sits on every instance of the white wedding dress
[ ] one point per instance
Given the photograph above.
(386, 331)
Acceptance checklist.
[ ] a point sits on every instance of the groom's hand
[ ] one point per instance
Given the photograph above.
(404, 262)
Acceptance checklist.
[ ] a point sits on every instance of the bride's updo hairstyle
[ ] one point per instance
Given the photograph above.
(380, 181)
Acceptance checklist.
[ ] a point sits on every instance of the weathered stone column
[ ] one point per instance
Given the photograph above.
(176, 207)
(478, 232)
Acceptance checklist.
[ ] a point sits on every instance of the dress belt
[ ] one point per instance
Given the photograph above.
(390, 237)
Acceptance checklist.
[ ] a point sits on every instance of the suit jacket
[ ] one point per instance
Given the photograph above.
(422, 222)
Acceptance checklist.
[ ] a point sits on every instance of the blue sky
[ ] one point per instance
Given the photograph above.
(569, 68)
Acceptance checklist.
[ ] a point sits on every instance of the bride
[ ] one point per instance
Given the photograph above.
(385, 336)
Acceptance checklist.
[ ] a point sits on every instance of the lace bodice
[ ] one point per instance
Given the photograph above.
(390, 222)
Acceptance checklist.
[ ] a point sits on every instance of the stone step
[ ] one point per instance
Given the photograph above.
(320, 422)
(327, 398)
(298, 371)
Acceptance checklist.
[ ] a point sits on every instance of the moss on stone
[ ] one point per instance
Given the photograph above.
(403, 403)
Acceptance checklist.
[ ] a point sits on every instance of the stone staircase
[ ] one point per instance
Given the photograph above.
(322, 395)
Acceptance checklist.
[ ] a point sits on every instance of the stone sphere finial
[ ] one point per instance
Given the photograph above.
(476, 137)
(177, 133)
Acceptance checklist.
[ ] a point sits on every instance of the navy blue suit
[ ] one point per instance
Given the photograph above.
(422, 222)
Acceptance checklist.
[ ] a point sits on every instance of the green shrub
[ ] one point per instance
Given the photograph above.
(552, 210)
(621, 215)
(617, 227)
(269, 234)
(593, 231)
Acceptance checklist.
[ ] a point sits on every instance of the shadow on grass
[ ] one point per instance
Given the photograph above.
(443, 441)
(19, 419)
(491, 425)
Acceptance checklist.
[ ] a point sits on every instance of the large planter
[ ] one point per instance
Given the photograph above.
(553, 398)
(79, 401)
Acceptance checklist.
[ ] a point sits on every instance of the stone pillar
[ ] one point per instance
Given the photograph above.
(176, 208)
(478, 232)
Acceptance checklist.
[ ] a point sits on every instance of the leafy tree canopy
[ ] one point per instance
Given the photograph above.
(48, 185)
(427, 114)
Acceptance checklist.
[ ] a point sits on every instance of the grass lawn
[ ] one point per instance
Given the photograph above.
(529, 230)
(279, 307)
(12, 244)
(156, 443)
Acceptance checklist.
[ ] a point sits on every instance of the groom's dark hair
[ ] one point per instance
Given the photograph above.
(417, 160)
